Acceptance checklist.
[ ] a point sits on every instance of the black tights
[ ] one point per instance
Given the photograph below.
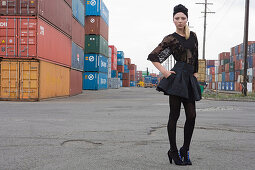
(190, 112)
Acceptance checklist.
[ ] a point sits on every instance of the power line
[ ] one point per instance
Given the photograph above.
(205, 13)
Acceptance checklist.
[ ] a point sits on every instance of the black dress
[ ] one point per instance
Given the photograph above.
(185, 52)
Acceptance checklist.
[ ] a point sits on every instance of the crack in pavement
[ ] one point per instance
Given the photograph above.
(81, 140)
(153, 129)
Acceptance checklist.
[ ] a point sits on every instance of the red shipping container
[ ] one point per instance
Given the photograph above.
(237, 73)
(78, 33)
(69, 2)
(232, 51)
(227, 68)
(220, 69)
(127, 61)
(240, 65)
(212, 70)
(132, 67)
(234, 58)
(96, 25)
(126, 83)
(132, 78)
(227, 77)
(210, 62)
(114, 49)
(75, 82)
(56, 12)
(132, 72)
(126, 76)
(120, 69)
(33, 38)
(114, 61)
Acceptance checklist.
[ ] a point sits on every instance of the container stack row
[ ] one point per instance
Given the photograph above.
(113, 80)
(227, 72)
(96, 53)
(41, 48)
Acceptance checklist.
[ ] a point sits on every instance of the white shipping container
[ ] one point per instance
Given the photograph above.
(219, 85)
(216, 77)
(217, 63)
(216, 69)
(249, 72)
(213, 86)
(249, 87)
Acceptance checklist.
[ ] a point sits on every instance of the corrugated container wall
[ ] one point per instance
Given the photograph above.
(28, 37)
(94, 81)
(75, 82)
(96, 25)
(57, 12)
(97, 8)
(95, 62)
(78, 33)
(77, 57)
(78, 10)
(96, 44)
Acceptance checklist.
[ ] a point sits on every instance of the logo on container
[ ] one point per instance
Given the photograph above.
(3, 24)
(92, 20)
(90, 77)
(103, 81)
(103, 64)
(78, 57)
(93, 2)
(91, 58)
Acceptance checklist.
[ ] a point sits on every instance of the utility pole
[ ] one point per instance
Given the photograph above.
(245, 43)
(205, 12)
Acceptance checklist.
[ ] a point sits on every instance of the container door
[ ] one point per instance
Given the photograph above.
(27, 7)
(8, 40)
(9, 80)
(8, 7)
(29, 80)
(27, 37)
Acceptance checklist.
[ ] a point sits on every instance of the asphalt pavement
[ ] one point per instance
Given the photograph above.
(119, 129)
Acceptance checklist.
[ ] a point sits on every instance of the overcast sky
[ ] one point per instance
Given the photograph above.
(138, 26)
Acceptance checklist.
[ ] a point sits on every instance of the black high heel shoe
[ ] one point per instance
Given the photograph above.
(174, 155)
(185, 154)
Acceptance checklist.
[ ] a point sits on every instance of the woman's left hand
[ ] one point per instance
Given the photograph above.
(196, 75)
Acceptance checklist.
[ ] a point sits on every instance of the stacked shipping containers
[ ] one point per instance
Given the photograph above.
(133, 76)
(120, 66)
(36, 47)
(113, 80)
(95, 74)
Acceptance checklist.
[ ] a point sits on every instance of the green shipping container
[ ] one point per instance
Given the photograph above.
(226, 61)
(96, 44)
(241, 72)
(231, 67)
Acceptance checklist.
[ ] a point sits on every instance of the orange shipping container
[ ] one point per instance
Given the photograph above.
(33, 80)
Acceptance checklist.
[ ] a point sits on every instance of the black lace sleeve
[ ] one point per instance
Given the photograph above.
(162, 51)
(196, 54)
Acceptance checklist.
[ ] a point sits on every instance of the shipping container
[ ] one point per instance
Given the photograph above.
(132, 84)
(127, 61)
(96, 25)
(120, 62)
(223, 76)
(109, 65)
(250, 72)
(120, 75)
(232, 76)
(33, 80)
(231, 86)
(114, 74)
(97, 8)
(120, 54)
(78, 10)
(114, 62)
(227, 68)
(120, 68)
(96, 44)
(126, 76)
(220, 77)
(28, 37)
(69, 2)
(56, 12)
(77, 57)
(223, 86)
(95, 62)
(75, 82)
(113, 83)
(227, 77)
(201, 70)
(249, 87)
(94, 81)
(114, 49)
(126, 83)
(227, 86)
(78, 33)
(219, 86)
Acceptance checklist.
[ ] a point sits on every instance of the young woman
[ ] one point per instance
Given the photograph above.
(181, 82)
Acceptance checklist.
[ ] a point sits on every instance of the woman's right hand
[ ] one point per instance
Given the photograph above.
(168, 73)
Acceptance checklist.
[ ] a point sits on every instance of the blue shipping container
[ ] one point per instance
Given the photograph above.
(120, 61)
(114, 74)
(126, 71)
(208, 66)
(120, 54)
(223, 76)
(222, 85)
(94, 81)
(250, 61)
(121, 83)
(132, 83)
(77, 57)
(154, 80)
(232, 86)
(120, 75)
(96, 62)
(232, 76)
(125, 67)
(97, 8)
(227, 86)
(78, 9)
